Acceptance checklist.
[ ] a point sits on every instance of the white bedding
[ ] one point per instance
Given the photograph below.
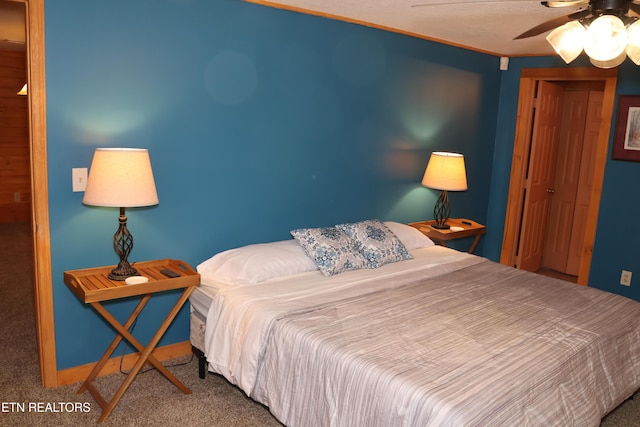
(441, 362)
(239, 318)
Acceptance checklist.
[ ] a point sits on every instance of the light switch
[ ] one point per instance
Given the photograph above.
(79, 179)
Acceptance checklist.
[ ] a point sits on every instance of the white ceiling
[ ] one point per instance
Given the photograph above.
(485, 25)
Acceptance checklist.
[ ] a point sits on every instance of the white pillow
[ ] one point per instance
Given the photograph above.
(410, 237)
(256, 263)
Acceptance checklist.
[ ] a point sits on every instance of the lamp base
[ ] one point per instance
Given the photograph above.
(122, 271)
(441, 211)
(122, 244)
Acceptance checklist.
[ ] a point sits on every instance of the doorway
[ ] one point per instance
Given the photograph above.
(531, 217)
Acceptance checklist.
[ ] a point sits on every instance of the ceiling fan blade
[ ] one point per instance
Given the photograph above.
(565, 3)
(556, 3)
(448, 3)
(550, 25)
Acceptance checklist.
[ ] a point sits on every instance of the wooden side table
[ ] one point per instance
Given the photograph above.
(92, 286)
(465, 228)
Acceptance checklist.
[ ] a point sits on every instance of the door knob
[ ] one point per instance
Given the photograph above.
(550, 190)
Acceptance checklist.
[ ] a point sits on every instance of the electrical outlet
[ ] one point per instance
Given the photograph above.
(625, 278)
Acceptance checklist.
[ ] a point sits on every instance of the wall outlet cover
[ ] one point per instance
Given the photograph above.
(625, 278)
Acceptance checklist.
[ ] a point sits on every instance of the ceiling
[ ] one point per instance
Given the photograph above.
(488, 26)
(12, 25)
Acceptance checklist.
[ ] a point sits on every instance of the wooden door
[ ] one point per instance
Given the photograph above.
(540, 175)
(585, 181)
(567, 175)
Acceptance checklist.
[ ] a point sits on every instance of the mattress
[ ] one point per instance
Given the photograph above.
(197, 325)
(201, 299)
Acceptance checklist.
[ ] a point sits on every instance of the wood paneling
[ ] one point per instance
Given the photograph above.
(15, 175)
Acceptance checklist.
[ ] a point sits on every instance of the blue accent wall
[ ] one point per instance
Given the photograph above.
(257, 121)
(261, 120)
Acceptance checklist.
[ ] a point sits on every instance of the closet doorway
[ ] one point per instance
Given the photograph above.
(560, 149)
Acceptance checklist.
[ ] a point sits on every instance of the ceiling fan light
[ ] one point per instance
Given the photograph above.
(633, 42)
(567, 40)
(610, 63)
(606, 38)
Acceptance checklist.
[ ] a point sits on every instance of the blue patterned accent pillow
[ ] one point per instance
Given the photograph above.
(330, 248)
(376, 242)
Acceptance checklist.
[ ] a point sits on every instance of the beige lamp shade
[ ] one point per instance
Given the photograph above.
(120, 177)
(445, 171)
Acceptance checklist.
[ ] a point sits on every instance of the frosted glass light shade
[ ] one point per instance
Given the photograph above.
(610, 63)
(606, 38)
(445, 171)
(120, 177)
(568, 40)
(633, 42)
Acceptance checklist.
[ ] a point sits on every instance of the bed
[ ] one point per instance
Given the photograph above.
(410, 334)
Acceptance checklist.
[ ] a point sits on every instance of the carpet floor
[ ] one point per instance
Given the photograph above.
(150, 401)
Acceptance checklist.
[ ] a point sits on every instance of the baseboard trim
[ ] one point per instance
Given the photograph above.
(80, 373)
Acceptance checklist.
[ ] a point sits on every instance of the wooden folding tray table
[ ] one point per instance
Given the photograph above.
(93, 287)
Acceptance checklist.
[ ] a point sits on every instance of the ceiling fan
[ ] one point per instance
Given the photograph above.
(593, 9)
(604, 31)
(600, 28)
(589, 9)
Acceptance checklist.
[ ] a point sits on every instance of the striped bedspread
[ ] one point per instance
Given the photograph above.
(485, 345)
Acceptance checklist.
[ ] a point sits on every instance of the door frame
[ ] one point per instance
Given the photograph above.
(40, 228)
(529, 79)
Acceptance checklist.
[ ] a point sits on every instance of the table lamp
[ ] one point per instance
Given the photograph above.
(445, 172)
(122, 178)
